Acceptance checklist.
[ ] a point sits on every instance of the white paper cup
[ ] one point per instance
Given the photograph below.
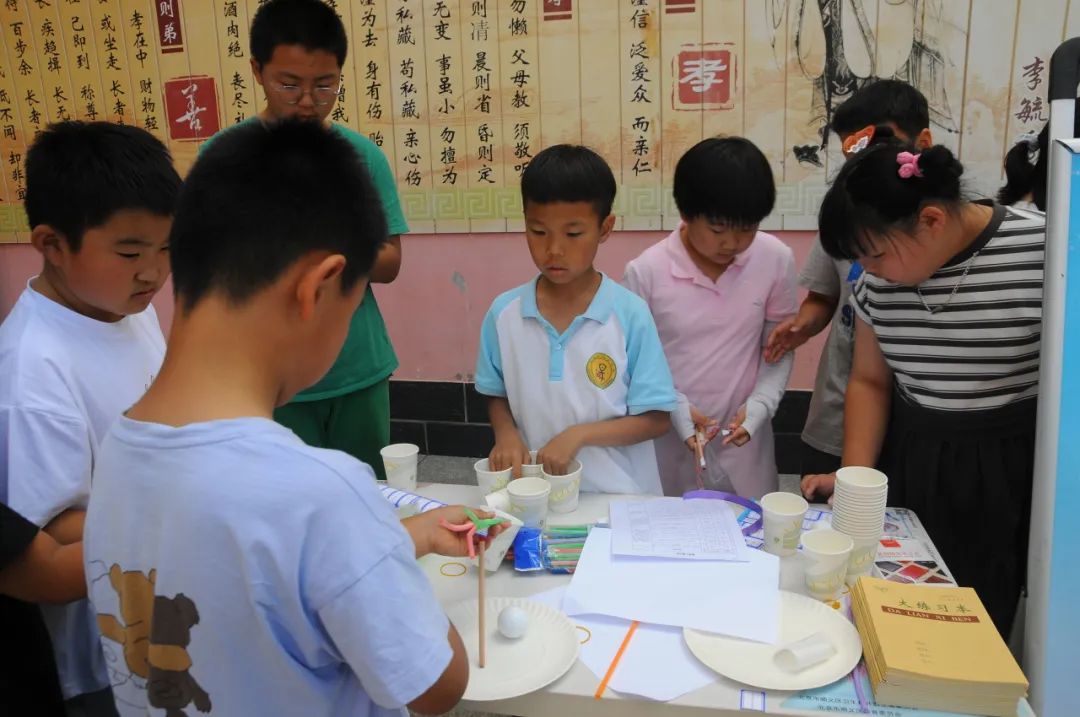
(489, 480)
(858, 479)
(825, 555)
(529, 500)
(399, 460)
(783, 517)
(805, 653)
(564, 489)
(532, 469)
(863, 554)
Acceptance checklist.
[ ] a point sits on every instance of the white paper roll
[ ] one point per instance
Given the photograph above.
(807, 652)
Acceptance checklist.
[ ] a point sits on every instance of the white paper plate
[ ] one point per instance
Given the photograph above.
(751, 663)
(514, 667)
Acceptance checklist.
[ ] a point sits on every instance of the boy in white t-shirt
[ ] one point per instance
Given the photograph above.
(571, 360)
(81, 344)
(234, 569)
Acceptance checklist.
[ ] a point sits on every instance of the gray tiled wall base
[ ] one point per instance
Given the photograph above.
(449, 418)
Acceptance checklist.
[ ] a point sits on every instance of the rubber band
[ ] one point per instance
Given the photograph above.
(444, 566)
(731, 498)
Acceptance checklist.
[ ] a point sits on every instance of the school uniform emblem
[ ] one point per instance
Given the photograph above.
(601, 370)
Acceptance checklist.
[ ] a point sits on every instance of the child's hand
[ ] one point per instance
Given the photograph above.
(787, 336)
(430, 537)
(559, 453)
(708, 427)
(818, 485)
(739, 436)
(509, 452)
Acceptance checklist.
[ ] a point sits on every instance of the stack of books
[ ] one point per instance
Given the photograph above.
(935, 648)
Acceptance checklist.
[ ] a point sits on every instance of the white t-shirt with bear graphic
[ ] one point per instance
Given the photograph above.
(275, 576)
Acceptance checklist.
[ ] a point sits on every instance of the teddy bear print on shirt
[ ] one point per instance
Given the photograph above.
(154, 632)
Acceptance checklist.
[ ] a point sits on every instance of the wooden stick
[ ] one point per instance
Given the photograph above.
(483, 606)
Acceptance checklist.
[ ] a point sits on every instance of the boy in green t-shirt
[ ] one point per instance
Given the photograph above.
(298, 48)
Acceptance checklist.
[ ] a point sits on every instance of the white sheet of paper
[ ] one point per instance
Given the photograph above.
(677, 528)
(729, 598)
(656, 665)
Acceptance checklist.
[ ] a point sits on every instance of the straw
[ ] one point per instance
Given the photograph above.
(615, 660)
(575, 531)
(483, 609)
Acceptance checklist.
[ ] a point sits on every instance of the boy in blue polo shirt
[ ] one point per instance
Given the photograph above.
(608, 390)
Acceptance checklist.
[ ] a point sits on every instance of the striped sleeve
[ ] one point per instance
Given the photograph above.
(858, 298)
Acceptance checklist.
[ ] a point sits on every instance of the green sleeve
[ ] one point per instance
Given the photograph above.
(385, 185)
(381, 175)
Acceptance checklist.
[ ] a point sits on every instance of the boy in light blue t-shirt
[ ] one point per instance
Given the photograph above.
(570, 361)
(235, 570)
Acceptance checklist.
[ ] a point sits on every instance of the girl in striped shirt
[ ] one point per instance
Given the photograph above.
(945, 370)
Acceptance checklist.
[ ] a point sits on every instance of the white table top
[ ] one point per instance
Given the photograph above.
(573, 693)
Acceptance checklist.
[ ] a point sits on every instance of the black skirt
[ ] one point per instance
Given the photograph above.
(967, 475)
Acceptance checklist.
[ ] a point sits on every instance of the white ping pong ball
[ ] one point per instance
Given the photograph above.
(513, 622)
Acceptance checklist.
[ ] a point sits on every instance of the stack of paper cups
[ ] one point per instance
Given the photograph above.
(859, 512)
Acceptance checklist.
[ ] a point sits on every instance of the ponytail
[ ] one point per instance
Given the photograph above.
(1024, 176)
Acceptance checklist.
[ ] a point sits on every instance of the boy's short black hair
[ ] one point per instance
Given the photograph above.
(725, 179)
(78, 174)
(262, 196)
(309, 23)
(569, 173)
(879, 103)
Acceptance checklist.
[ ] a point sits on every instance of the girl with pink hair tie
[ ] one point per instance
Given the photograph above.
(945, 372)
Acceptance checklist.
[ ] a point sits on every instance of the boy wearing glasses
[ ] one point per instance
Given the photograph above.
(298, 48)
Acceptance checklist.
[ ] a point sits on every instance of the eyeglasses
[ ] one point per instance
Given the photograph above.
(321, 96)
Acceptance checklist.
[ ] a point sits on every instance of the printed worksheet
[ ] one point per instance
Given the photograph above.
(677, 528)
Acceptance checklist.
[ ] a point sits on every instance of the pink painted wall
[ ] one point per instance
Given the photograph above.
(447, 282)
(19, 262)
